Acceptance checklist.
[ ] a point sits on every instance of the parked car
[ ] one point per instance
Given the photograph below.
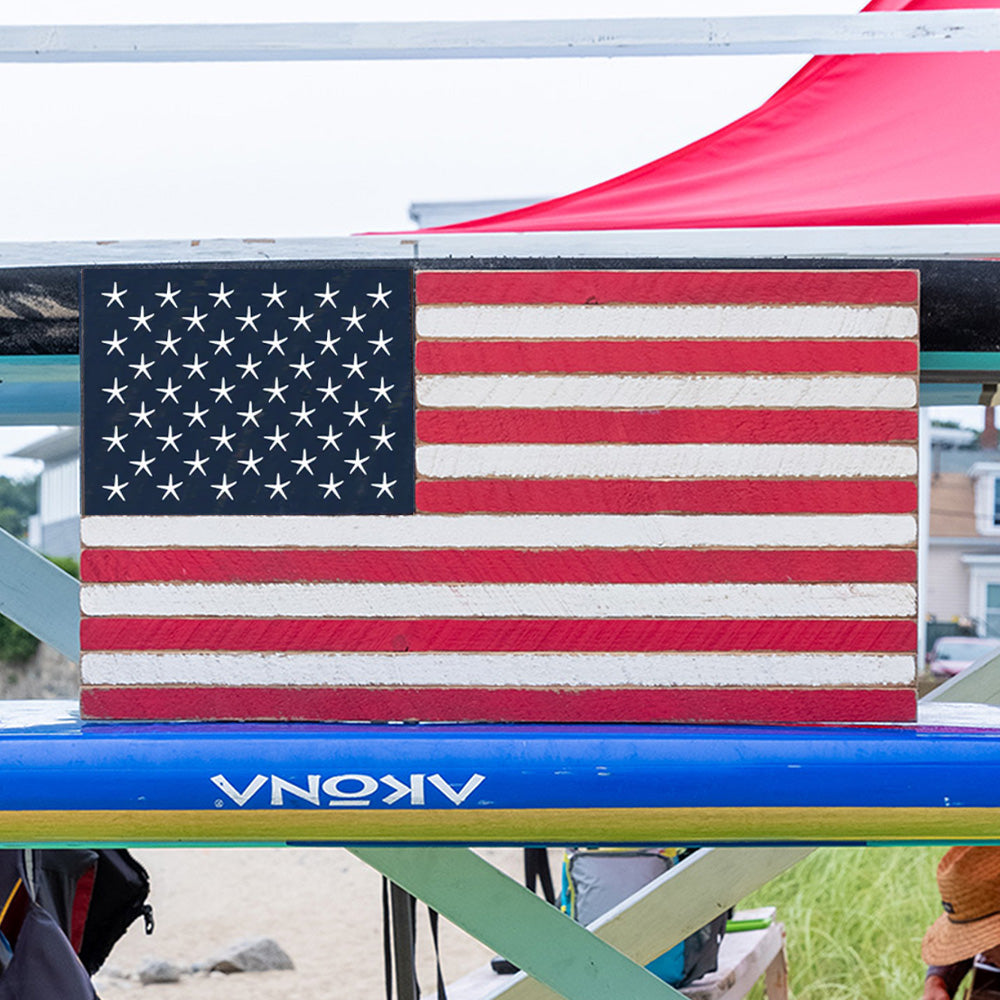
(953, 653)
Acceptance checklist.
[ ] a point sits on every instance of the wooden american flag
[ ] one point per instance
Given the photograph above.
(617, 495)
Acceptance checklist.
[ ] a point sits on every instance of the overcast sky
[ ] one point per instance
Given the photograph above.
(323, 149)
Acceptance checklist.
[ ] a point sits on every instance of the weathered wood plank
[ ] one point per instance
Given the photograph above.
(925, 31)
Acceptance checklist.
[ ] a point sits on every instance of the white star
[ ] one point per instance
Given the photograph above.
(382, 439)
(250, 415)
(115, 344)
(196, 368)
(251, 463)
(223, 390)
(275, 343)
(115, 391)
(379, 298)
(382, 392)
(329, 438)
(357, 463)
(356, 414)
(142, 319)
(303, 414)
(194, 320)
(168, 344)
(277, 439)
(142, 415)
(196, 414)
(304, 463)
(274, 296)
(223, 438)
(382, 344)
(114, 297)
(302, 319)
(326, 297)
(221, 296)
(142, 368)
(276, 391)
(222, 344)
(143, 464)
(302, 366)
(249, 320)
(197, 463)
(116, 440)
(117, 488)
(354, 368)
(169, 391)
(278, 487)
(170, 487)
(250, 367)
(224, 487)
(331, 486)
(170, 439)
(354, 320)
(168, 296)
(329, 391)
(384, 487)
(328, 344)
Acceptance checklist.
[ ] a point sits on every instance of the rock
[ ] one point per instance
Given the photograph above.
(257, 955)
(157, 970)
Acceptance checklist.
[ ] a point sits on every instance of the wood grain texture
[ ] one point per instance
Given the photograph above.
(795, 706)
(666, 461)
(649, 392)
(664, 531)
(498, 634)
(666, 322)
(676, 426)
(534, 600)
(694, 287)
(600, 356)
(497, 565)
(535, 669)
(638, 496)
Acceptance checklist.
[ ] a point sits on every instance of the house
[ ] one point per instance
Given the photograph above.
(963, 560)
(55, 529)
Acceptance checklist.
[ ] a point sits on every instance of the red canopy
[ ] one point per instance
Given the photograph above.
(859, 140)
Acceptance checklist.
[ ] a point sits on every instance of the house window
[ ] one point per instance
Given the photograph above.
(986, 476)
(996, 503)
(992, 617)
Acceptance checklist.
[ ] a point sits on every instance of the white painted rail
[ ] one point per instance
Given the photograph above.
(814, 34)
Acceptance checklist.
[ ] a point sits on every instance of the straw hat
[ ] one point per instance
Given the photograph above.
(969, 882)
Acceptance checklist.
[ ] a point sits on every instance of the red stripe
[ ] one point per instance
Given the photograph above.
(365, 635)
(688, 287)
(721, 705)
(682, 426)
(632, 496)
(436, 357)
(500, 565)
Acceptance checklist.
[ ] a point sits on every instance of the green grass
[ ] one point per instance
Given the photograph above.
(854, 919)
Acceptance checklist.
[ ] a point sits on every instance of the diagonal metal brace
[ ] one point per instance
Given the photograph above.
(39, 596)
(504, 915)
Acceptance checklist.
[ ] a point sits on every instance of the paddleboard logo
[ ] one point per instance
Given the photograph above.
(353, 790)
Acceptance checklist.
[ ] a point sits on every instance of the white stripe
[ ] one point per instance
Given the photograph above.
(655, 392)
(548, 531)
(666, 461)
(533, 600)
(556, 322)
(521, 669)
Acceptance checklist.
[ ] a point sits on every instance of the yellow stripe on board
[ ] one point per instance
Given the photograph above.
(489, 826)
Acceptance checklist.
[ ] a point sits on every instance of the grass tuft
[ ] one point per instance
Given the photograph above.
(855, 917)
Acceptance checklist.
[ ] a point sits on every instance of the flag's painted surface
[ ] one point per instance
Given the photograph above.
(564, 496)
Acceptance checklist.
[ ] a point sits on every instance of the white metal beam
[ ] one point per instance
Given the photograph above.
(924, 31)
(801, 241)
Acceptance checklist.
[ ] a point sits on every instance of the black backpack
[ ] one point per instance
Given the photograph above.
(61, 913)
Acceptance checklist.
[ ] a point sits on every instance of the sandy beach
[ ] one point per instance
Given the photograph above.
(322, 906)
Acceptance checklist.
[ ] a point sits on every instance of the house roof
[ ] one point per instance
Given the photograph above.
(56, 447)
(890, 139)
